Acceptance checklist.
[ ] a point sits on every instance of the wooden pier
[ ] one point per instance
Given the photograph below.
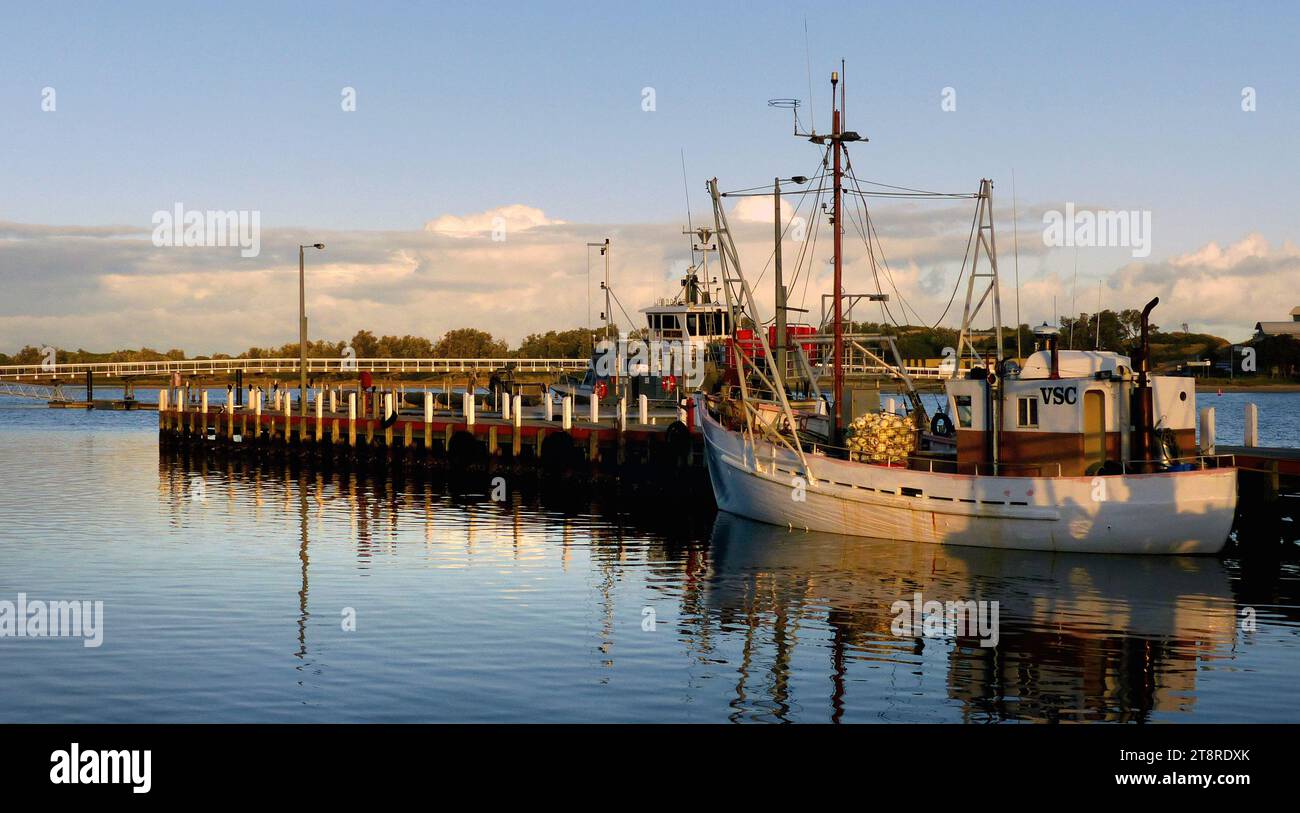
(370, 432)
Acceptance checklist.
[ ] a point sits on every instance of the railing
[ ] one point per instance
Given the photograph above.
(343, 366)
(1199, 461)
(857, 363)
(36, 391)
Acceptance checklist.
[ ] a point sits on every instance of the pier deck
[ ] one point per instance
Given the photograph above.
(602, 447)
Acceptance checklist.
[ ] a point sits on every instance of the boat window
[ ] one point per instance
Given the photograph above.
(1027, 412)
(963, 411)
(692, 325)
(706, 324)
(670, 321)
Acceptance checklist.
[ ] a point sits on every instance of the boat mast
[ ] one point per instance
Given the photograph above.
(780, 285)
(837, 346)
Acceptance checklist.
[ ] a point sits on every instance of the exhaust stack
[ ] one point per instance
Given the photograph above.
(1143, 402)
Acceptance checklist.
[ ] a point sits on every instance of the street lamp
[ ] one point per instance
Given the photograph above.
(302, 330)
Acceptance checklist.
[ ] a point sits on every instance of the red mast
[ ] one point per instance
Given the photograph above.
(838, 345)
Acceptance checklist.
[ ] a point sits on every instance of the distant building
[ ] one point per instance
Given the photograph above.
(1291, 328)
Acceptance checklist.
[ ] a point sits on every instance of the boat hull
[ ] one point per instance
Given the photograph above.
(1164, 513)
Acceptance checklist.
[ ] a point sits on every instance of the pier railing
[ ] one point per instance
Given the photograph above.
(339, 366)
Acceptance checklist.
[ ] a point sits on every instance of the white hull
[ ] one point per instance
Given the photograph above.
(1167, 513)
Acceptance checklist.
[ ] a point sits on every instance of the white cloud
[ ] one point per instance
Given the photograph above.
(513, 218)
(103, 288)
(758, 209)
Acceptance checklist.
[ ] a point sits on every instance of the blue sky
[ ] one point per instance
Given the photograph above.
(462, 108)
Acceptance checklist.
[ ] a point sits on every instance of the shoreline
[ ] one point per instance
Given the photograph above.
(1247, 387)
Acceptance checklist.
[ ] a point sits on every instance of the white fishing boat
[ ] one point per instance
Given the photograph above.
(1080, 451)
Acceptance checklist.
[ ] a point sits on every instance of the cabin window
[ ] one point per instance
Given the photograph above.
(692, 324)
(963, 411)
(1027, 412)
(706, 324)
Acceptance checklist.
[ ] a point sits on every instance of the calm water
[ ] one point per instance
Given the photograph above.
(225, 589)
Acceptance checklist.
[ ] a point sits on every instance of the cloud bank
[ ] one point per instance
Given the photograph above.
(515, 270)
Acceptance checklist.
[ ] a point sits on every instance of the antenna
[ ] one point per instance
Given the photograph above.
(1074, 295)
(686, 190)
(1015, 244)
(807, 55)
(793, 104)
(1097, 346)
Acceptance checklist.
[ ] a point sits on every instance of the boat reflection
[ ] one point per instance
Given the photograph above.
(778, 625)
(1080, 636)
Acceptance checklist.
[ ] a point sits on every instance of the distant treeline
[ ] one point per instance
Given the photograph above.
(1120, 332)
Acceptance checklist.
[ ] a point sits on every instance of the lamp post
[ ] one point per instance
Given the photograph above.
(302, 330)
(604, 286)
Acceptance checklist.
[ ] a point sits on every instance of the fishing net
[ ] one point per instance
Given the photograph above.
(880, 436)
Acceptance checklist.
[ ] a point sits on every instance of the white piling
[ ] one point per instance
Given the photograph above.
(505, 408)
(162, 400)
(891, 406)
(180, 400)
(518, 413)
(1250, 432)
(257, 403)
(643, 409)
(1207, 430)
(594, 408)
(287, 403)
(622, 412)
(203, 403)
(550, 405)
(566, 413)
(352, 418)
(469, 409)
(388, 405)
(428, 407)
(334, 401)
(320, 409)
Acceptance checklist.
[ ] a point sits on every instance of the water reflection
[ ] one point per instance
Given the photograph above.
(763, 624)
(1081, 637)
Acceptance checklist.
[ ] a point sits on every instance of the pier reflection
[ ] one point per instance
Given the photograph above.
(755, 623)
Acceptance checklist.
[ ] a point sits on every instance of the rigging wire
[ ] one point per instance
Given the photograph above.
(870, 224)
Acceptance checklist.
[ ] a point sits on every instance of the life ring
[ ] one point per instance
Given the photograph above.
(941, 425)
(601, 389)
(670, 383)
